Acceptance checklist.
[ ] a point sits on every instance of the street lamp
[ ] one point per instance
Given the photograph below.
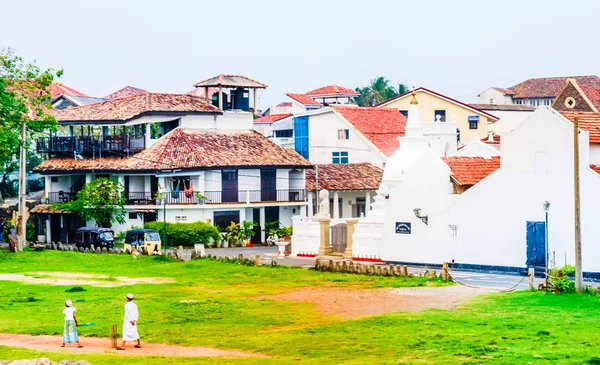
(546, 210)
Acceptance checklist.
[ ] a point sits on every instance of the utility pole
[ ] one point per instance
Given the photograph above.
(22, 221)
(578, 272)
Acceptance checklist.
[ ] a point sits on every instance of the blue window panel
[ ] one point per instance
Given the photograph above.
(301, 136)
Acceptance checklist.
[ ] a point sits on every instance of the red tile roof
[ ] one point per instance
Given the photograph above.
(493, 117)
(495, 139)
(125, 92)
(303, 99)
(549, 87)
(382, 126)
(126, 108)
(285, 104)
(505, 107)
(588, 122)
(353, 176)
(272, 118)
(504, 91)
(593, 94)
(190, 150)
(596, 168)
(58, 89)
(332, 91)
(471, 170)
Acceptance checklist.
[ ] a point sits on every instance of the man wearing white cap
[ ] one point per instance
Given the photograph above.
(70, 329)
(130, 332)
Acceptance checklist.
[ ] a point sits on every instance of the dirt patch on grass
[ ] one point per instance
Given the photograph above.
(95, 345)
(66, 278)
(356, 303)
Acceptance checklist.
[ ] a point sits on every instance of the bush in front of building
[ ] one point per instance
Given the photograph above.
(186, 234)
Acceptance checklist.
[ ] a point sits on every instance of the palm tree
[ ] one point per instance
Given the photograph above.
(378, 91)
(402, 89)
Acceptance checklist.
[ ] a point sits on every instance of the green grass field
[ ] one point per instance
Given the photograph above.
(506, 328)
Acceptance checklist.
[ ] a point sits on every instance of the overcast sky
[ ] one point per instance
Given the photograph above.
(458, 48)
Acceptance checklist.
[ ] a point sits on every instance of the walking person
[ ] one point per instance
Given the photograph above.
(130, 332)
(2, 225)
(71, 324)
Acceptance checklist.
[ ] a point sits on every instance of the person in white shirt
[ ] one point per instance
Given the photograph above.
(130, 332)
(70, 328)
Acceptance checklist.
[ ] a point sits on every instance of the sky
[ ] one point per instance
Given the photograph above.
(458, 48)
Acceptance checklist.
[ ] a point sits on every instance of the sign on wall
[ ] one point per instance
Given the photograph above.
(403, 227)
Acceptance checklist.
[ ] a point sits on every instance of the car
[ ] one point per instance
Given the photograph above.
(95, 236)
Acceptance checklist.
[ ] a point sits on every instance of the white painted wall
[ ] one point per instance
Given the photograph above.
(491, 216)
(594, 153)
(509, 120)
(497, 96)
(477, 149)
(137, 184)
(229, 120)
(249, 179)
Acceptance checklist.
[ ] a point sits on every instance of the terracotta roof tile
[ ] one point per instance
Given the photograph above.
(303, 99)
(332, 91)
(285, 104)
(596, 168)
(272, 118)
(45, 209)
(471, 170)
(186, 149)
(593, 94)
(125, 92)
(588, 122)
(58, 89)
(382, 126)
(550, 86)
(505, 107)
(353, 176)
(129, 107)
(495, 139)
(200, 91)
(504, 91)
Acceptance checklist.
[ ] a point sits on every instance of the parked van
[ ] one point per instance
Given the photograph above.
(96, 236)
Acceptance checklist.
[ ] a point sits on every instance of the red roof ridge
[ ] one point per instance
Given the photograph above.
(442, 96)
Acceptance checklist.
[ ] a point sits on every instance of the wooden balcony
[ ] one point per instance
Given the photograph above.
(90, 144)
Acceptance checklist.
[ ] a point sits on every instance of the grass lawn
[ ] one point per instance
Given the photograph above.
(507, 328)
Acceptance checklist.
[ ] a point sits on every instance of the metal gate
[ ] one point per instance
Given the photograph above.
(338, 238)
(536, 245)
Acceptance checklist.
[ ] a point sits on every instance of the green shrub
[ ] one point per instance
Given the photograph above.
(186, 234)
(562, 282)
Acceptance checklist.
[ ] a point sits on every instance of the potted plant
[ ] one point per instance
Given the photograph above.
(159, 196)
(285, 233)
(225, 239)
(246, 232)
(44, 200)
(271, 229)
(202, 199)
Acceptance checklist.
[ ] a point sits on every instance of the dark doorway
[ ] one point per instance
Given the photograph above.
(224, 219)
(268, 185)
(361, 207)
(536, 245)
(229, 186)
(257, 230)
(271, 214)
(153, 185)
(150, 217)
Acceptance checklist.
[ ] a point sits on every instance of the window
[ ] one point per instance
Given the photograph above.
(343, 134)
(441, 114)
(180, 218)
(284, 133)
(224, 219)
(54, 179)
(404, 112)
(339, 157)
(473, 122)
(133, 215)
(491, 100)
(453, 231)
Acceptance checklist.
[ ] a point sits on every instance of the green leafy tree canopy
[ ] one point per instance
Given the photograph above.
(378, 91)
(101, 200)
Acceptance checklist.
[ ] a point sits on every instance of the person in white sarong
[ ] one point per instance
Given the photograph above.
(130, 331)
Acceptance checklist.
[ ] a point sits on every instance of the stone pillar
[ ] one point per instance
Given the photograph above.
(310, 204)
(48, 229)
(336, 205)
(262, 224)
(324, 234)
(367, 202)
(349, 232)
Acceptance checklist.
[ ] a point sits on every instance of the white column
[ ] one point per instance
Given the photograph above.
(242, 215)
(302, 211)
(367, 202)
(336, 205)
(262, 224)
(88, 178)
(47, 186)
(147, 184)
(147, 135)
(48, 230)
(310, 204)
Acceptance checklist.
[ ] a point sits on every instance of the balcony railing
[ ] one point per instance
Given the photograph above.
(61, 197)
(86, 144)
(212, 197)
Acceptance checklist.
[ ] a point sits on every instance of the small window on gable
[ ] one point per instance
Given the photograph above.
(441, 114)
(339, 157)
(343, 134)
(473, 122)
(491, 100)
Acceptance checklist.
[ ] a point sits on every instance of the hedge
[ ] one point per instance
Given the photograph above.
(186, 234)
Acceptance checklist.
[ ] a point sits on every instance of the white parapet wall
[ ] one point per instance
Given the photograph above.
(306, 237)
(367, 240)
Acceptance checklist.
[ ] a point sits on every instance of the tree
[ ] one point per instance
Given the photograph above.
(24, 98)
(101, 200)
(378, 91)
